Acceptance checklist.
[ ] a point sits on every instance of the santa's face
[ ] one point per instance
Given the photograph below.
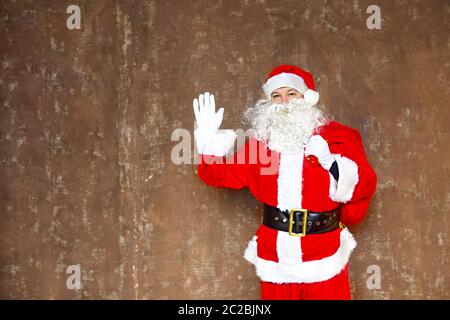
(285, 127)
(285, 94)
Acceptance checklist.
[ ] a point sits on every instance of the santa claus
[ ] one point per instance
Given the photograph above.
(317, 182)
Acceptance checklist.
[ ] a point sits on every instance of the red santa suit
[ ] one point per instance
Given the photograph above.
(304, 264)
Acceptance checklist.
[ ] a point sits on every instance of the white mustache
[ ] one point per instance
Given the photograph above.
(285, 126)
(288, 106)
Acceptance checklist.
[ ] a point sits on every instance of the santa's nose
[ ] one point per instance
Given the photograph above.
(285, 99)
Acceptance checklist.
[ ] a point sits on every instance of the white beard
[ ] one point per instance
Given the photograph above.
(284, 127)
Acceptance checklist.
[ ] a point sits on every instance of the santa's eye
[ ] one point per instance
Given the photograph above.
(292, 94)
(275, 96)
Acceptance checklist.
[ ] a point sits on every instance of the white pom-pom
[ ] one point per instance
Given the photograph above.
(311, 96)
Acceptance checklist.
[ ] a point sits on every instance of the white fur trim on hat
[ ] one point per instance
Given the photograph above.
(311, 96)
(284, 80)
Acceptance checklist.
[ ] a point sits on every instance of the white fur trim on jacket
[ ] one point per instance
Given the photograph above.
(218, 144)
(289, 249)
(302, 272)
(289, 194)
(342, 191)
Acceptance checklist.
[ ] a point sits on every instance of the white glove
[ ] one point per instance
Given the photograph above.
(209, 139)
(208, 121)
(317, 146)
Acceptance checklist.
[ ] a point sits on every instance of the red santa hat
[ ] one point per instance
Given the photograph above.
(292, 77)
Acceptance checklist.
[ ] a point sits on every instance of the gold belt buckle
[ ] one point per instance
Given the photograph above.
(291, 222)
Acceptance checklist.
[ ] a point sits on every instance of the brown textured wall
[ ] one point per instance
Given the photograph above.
(87, 115)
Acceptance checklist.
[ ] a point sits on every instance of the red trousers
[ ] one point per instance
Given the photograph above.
(336, 288)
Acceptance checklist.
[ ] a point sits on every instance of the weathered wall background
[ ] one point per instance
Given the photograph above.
(87, 115)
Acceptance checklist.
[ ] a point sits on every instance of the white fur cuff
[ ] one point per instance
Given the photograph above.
(218, 144)
(342, 191)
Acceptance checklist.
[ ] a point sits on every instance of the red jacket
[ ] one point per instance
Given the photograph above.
(291, 181)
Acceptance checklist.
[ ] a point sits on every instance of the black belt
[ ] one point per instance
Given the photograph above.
(299, 222)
